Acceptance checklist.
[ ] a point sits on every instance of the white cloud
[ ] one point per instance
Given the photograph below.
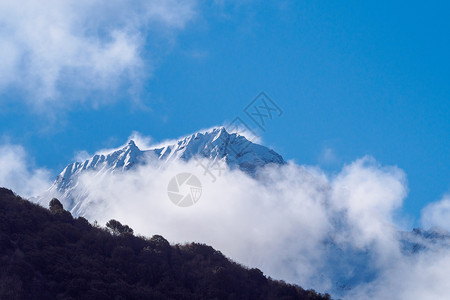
(437, 214)
(17, 172)
(421, 276)
(369, 195)
(245, 222)
(282, 223)
(83, 45)
(81, 156)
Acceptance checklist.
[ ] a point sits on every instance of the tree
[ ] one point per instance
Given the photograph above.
(117, 228)
(55, 206)
(160, 242)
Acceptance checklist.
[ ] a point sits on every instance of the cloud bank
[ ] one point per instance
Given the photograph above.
(295, 223)
(82, 45)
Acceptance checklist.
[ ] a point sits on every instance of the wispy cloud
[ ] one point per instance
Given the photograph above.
(81, 45)
(328, 157)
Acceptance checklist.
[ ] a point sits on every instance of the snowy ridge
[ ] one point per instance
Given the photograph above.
(419, 240)
(118, 160)
(215, 144)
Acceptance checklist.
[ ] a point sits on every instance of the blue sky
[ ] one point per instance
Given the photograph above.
(353, 79)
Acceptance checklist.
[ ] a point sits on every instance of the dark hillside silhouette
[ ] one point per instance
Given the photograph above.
(47, 254)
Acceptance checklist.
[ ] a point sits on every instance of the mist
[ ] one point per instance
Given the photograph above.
(295, 223)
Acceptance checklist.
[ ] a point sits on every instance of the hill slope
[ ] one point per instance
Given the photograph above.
(50, 255)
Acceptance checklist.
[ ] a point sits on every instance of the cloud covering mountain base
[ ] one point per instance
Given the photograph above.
(336, 233)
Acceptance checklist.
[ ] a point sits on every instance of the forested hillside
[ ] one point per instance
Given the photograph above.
(47, 254)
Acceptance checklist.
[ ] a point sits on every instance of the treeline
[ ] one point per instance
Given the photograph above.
(47, 254)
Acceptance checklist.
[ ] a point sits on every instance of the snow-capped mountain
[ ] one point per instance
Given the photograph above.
(216, 144)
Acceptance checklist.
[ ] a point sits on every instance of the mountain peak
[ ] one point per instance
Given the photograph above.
(214, 129)
(215, 132)
(220, 129)
(130, 146)
(220, 132)
(218, 144)
(215, 144)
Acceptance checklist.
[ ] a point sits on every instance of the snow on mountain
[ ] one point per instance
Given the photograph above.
(215, 144)
(419, 240)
